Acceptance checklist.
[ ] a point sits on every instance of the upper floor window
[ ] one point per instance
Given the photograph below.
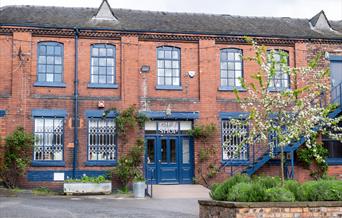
(50, 62)
(101, 140)
(49, 135)
(231, 68)
(102, 64)
(168, 62)
(281, 79)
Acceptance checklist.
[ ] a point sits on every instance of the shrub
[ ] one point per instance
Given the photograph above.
(279, 194)
(88, 179)
(267, 181)
(257, 193)
(17, 156)
(221, 191)
(321, 190)
(293, 186)
(240, 192)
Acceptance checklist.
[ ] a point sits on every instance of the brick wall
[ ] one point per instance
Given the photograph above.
(270, 209)
(18, 96)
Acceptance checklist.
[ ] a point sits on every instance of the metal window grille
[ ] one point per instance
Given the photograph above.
(231, 67)
(232, 137)
(168, 64)
(50, 62)
(49, 137)
(101, 140)
(102, 64)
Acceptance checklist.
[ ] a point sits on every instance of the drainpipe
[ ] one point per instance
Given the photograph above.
(75, 122)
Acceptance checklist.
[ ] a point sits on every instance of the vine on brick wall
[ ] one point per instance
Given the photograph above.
(207, 168)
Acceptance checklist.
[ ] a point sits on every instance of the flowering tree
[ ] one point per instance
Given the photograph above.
(282, 112)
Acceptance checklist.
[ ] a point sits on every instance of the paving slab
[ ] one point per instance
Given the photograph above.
(180, 192)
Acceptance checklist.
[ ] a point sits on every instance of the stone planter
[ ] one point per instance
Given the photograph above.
(225, 209)
(139, 189)
(87, 188)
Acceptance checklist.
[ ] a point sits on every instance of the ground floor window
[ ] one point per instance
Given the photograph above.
(101, 139)
(232, 149)
(334, 148)
(49, 135)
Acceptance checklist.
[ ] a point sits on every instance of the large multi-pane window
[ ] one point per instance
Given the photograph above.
(281, 79)
(50, 62)
(168, 62)
(233, 148)
(101, 140)
(102, 70)
(231, 68)
(48, 134)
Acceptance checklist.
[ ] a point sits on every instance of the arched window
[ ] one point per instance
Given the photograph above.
(231, 68)
(50, 62)
(168, 65)
(102, 64)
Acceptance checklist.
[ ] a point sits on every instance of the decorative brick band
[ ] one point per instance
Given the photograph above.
(270, 209)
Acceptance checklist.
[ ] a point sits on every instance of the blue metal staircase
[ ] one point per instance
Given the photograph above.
(263, 154)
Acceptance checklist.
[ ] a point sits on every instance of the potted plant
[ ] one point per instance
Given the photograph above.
(139, 185)
(88, 185)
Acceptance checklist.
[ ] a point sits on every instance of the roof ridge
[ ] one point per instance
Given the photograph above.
(156, 11)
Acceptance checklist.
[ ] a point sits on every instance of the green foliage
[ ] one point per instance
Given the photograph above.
(128, 167)
(128, 120)
(17, 156)
(267, 181)
(43, 191)
(242, 188)
(309, 155)
(88, 179)
(293, 186)
(321, 190)
(203, 132)
(207, 168)
(221, 190)
(240, 192)
(279, 194)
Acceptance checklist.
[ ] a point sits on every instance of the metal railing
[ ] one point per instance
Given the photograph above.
(336, 97)
(149, 185)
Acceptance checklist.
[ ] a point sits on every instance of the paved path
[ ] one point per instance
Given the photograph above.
(168, 201)
(180, 192)
(95, 207)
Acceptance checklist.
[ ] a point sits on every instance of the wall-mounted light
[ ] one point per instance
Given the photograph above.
(145, 69)
(168, 111)
(100, 104)
(191, 74)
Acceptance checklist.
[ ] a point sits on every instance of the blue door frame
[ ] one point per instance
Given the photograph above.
(165, 160)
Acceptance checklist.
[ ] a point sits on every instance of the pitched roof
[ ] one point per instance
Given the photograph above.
(165, 22)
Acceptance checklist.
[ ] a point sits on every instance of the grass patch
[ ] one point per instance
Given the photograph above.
(43, 191)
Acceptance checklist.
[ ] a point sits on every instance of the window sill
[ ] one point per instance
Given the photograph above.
(234, 162)
(169, 87)
(102, 86)
(103, 163)
(48, 163)
(278, 89)
(334, 161)
(226, 88)
(50, 84)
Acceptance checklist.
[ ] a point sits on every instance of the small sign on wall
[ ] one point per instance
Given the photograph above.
(58, 176)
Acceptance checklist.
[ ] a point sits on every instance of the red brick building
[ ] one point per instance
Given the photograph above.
(59, 64)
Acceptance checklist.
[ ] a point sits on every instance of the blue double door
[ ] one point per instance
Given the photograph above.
(169, 159)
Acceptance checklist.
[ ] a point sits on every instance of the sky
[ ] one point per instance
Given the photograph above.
(268, 8)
